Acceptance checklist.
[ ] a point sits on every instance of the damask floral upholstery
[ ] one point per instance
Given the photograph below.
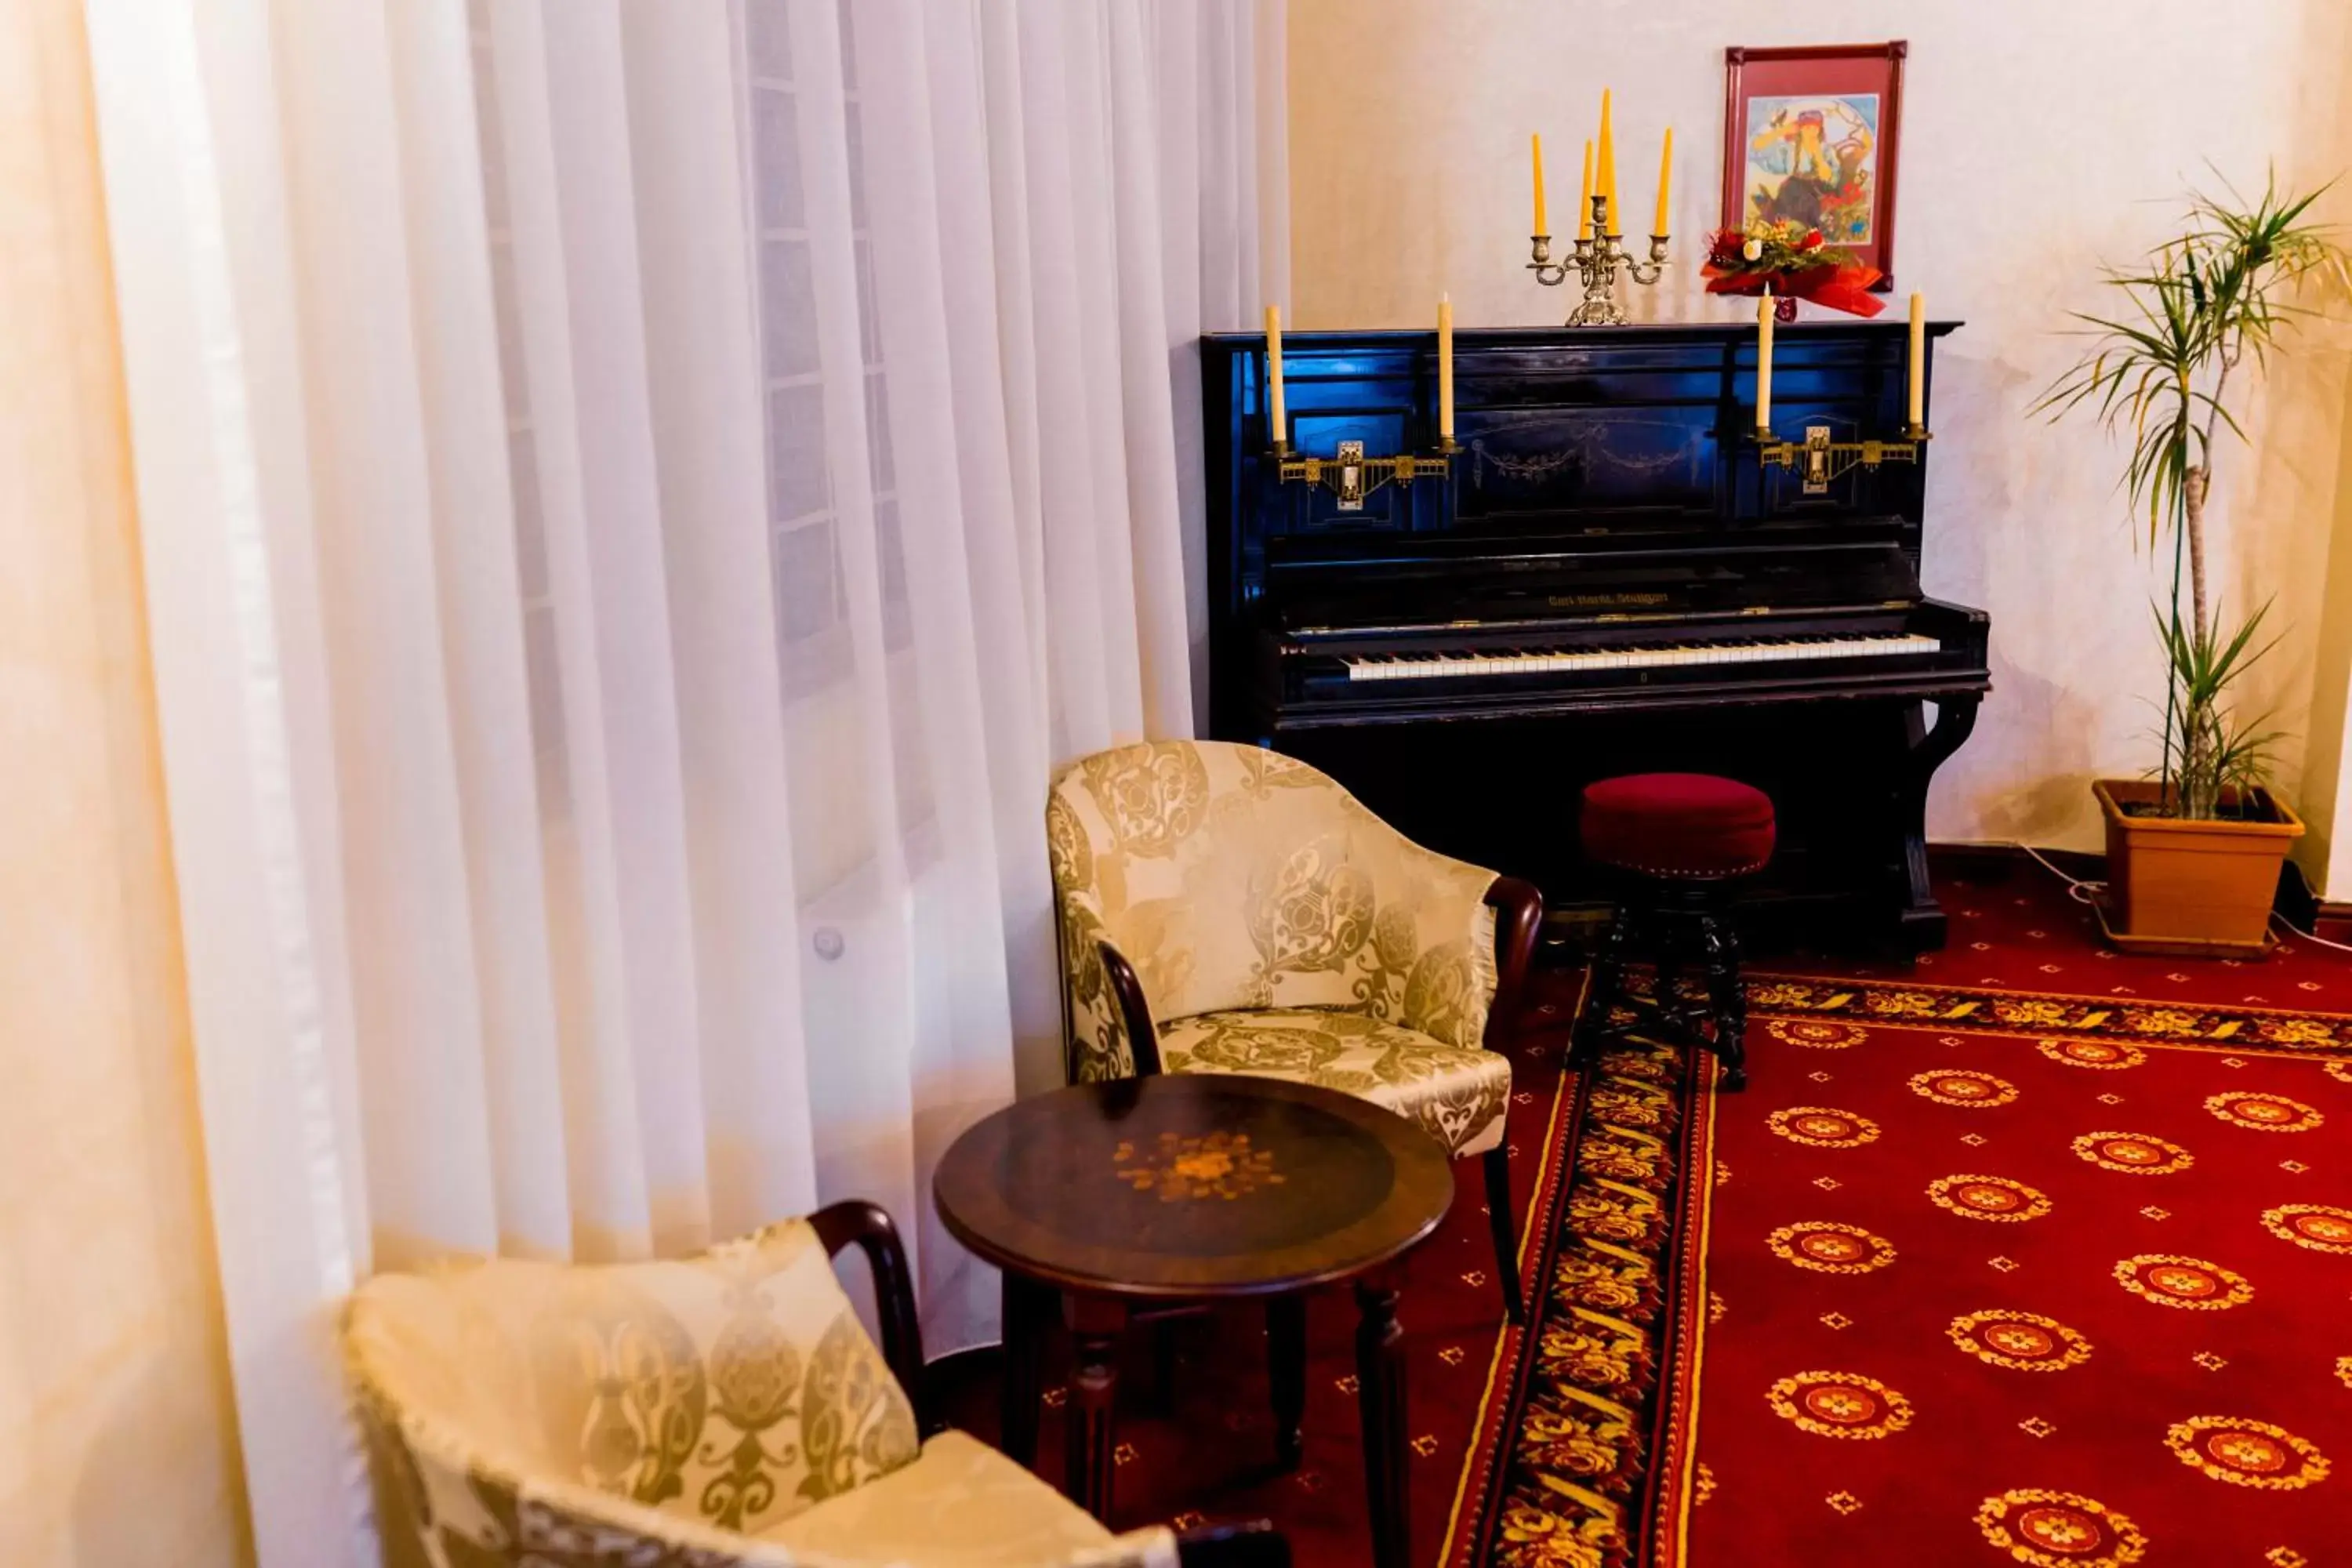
(726, 1410)
(1458, 1097)
(1278, 927)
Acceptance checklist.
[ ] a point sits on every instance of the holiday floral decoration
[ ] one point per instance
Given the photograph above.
(1794, 263)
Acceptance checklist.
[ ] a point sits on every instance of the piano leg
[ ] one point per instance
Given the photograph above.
(1920, 921)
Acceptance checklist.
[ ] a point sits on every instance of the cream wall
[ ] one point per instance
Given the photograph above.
(116, 1444)
(2037, 141)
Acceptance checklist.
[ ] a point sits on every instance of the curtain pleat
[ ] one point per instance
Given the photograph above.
(562, 145)
(1104, 430)
(1175, 51)
(864, 997)
(640, 495)
(1155, 532)
(1087, 710)
(415, 988)
(701, 336)
(452, 312)
(203, 279)
(999, 538)
(1016, 321)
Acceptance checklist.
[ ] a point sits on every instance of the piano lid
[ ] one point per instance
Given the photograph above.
(1616, 433)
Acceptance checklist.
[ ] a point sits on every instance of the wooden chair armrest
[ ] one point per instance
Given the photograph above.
(1134, 1012)
(1519, 920)
(1256, 1545)
(869, 1224)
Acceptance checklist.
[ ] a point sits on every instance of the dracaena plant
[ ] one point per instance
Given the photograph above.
(2192, 326)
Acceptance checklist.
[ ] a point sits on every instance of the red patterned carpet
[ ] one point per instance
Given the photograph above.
(2029, 1254)
(2080, 1297)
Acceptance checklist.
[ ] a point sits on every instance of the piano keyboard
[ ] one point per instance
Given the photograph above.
(1543, 662)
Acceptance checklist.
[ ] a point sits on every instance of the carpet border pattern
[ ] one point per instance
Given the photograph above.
(1996, 1010)
(1588, 1478)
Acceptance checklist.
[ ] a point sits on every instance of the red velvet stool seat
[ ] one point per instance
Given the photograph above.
(1677, 825)
(1675, 844)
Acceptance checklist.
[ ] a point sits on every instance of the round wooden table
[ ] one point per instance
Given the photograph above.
(1198, 1188)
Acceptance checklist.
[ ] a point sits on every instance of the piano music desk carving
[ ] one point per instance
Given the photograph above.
(1605, 581)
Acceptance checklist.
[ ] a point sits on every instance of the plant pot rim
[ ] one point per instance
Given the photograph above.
(2112, 793)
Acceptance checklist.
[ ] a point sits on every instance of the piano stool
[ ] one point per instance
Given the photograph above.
(1674, 844)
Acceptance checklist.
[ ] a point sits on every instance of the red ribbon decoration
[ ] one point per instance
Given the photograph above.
(1845, 287)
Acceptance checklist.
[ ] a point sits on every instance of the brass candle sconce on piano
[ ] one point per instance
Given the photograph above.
(1347, 473)
(1595, 260)
(1820, 459)
(1352, 476)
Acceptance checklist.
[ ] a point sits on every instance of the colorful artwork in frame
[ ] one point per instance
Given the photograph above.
(1810, 136)
(1813, 159)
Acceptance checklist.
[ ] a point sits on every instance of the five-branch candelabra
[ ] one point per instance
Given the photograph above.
(1595, 262)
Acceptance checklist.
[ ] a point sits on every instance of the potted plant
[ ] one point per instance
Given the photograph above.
(2194, 850)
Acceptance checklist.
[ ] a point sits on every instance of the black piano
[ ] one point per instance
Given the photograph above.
(1603, 579)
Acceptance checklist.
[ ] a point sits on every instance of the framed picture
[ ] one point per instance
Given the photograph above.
(1811, 134)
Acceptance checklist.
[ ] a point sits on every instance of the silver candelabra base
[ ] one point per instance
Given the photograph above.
(1595, 262)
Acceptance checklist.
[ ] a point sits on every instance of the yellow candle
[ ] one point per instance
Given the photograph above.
(1584, 198)
(1445, 367)
(1277, 422)
(1919, 388)
(1764, 360)
(1607, 169)
(1665, 180)
(1534, 147)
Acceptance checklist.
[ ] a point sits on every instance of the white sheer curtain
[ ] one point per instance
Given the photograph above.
(638, 496)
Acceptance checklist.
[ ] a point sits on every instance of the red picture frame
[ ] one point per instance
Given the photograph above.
(1812, 134)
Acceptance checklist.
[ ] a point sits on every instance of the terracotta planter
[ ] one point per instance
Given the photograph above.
(2178, 886)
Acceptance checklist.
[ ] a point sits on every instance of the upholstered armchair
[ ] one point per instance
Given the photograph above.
(727, 1411)
(1226, 909)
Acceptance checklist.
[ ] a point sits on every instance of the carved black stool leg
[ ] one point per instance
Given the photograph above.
(1592, 1029)
(1667, 943)
(1730, 1002)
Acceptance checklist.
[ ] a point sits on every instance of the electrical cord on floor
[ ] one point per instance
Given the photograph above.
(2083, 891)
(2080, 890)
(2281, 920)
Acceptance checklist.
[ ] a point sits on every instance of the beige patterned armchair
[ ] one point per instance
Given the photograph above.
(727, 1411)
(1226, 909)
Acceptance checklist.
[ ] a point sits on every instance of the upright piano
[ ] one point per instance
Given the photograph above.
(1602, 578)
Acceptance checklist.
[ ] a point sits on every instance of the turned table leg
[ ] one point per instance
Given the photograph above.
(1163, 1367)
(1286, 1360)
(1095, 1328)
(1379, 1395)
(1027, 1306)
